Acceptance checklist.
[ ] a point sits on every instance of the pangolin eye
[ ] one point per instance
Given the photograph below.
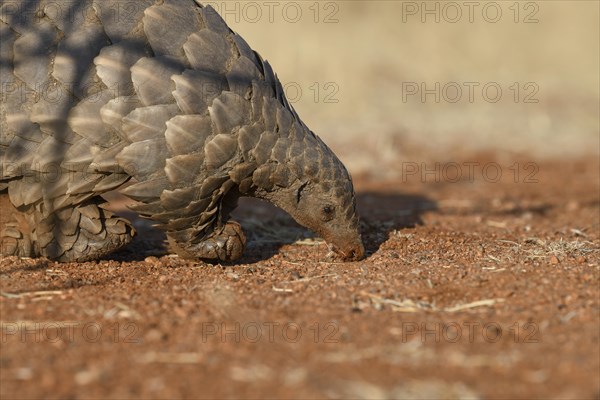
(327, 212)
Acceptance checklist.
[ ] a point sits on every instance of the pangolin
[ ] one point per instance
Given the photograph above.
(163, 94)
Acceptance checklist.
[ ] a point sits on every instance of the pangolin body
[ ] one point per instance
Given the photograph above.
(96, 92)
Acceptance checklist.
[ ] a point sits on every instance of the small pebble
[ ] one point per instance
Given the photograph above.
(572, 205)
(83, 378)
(24, 374)
(554, 260)
(233, 276)
(153, 335)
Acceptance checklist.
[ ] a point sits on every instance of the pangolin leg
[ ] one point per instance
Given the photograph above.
(15, 231)
(223, 240)
(85, 232)
(81, 233)
(226, 244)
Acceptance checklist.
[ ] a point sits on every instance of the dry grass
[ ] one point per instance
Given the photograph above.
(536, 249)
(411, 306)
(561, 248)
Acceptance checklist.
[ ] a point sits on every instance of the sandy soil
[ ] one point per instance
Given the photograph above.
(471, 289)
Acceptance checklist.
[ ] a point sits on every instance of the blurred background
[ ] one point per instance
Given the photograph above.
(386, 80)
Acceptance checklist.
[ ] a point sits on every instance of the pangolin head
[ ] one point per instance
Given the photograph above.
(322, 199)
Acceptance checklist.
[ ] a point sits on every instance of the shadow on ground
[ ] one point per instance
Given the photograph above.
(382, 213)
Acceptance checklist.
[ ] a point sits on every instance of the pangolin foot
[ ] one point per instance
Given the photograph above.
(225, 244)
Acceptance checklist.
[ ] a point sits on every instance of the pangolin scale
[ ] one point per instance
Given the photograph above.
(161, 93)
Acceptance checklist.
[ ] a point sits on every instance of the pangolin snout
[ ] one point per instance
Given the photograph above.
(350, 250)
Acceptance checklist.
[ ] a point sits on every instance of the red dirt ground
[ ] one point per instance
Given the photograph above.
(471, 289)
